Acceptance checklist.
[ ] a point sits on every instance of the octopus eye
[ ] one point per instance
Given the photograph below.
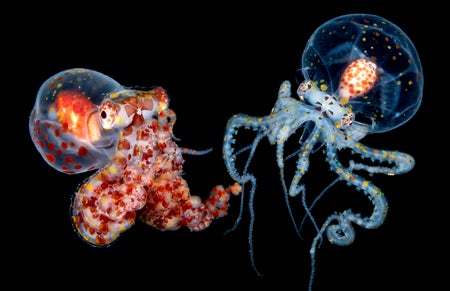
(347, 119)
(304, 87)
(108, 114)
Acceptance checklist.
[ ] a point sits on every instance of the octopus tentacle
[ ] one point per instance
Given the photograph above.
(170, 204)
(342, 233)
(230, 157)
(403, 162)
(285, 101)
(302, 167)
(303, 161)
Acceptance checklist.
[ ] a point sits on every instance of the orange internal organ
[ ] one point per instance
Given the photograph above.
(358, 79)
(73, 110)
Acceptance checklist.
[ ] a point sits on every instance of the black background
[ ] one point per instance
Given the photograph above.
(215, 60)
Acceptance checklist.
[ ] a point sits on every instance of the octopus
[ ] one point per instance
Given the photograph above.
(84, 121)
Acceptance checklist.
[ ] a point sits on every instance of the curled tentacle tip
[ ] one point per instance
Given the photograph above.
(235, 189)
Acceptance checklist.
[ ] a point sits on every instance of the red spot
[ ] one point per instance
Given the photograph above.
(64, 145)
(78, 167)
(82, 151)
(68, 159)
(57, 133)
(53, 86)
(50, 157)
(127, 131)
(51, 146)
(138, 120)
(65, 127)
(124, 144)
(91, 167)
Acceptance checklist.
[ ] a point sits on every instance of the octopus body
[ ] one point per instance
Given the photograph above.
(83, 121)
(361, 74)
(143, 180)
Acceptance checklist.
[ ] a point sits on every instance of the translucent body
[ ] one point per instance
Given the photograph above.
(83, 120)
(64, 124)
(397, 92)
(360, 74)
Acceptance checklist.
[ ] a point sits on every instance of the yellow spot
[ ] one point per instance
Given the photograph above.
(114, 95)
(112, 170)
(340, 170)
(260, 119)
(337, 124)
(119, 120)
(323, 87)
(59, 85)
(343, 101)
(104, 201)
(365, 184)
(89, 186)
